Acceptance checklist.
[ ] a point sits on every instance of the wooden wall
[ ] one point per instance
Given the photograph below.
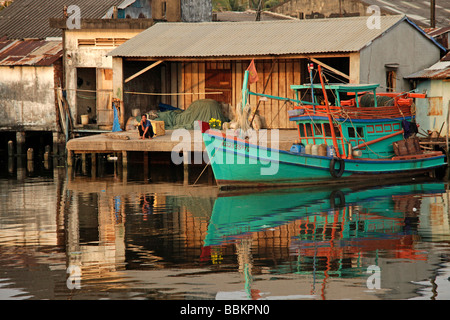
(186, 82)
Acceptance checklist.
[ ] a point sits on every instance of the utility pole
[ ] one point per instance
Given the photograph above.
(258, 11)
(433, 14)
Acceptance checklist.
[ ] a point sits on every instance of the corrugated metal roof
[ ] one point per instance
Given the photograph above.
(225, 39)
(30, 18)
(29, 52)
(440, 70)
(249, 15)
(417, 10)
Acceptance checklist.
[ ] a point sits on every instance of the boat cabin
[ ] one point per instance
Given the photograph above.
(365, 124)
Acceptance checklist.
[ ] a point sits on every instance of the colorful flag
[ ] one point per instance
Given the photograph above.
(253, 75)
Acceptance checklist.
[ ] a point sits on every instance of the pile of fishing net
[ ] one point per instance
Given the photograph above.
(203, 110)
(368, 101)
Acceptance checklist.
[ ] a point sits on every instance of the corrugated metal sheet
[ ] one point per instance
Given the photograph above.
(30, 18)
(29, 52)
(226, 39)
(417, 10)
(440, 70)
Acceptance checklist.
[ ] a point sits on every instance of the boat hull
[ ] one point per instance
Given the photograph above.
(237, 163)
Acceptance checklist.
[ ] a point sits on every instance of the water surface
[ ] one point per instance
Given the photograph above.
(66, 235)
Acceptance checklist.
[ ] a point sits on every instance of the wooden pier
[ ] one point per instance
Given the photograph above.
(121, 143)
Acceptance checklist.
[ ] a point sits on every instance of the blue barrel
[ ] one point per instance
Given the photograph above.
(298, 148)
(331, 152)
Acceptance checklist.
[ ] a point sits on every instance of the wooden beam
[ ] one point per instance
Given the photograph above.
(143, 70)
(330, 68)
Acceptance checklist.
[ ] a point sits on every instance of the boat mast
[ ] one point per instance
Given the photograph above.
(310, 68)
(330, 120)
(245, 90)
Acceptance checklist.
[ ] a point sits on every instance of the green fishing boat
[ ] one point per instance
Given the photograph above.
(356, 134)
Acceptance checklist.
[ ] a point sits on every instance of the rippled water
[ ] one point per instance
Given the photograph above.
(71, 236)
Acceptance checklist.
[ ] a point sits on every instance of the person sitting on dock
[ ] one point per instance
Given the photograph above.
(145, 128)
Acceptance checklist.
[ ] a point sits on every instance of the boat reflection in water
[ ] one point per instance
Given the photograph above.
(327, 234)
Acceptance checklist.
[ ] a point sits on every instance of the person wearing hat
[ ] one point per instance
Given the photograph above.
(145, 128)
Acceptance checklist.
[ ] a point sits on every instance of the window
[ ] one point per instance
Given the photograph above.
(359, 132)
(327, 129)
(309, 132)
(318, 129)
(301, 127)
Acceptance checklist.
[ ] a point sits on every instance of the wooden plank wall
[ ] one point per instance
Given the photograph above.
(189, 77)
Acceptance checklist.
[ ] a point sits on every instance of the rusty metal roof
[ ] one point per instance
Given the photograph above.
(238, 39)
(29, 52)
(30, 18)
(438, 71)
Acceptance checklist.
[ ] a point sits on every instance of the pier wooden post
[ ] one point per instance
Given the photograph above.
(30, 154)
(55, 142)
(69, 158)
(124, 166)
(186, 161)
(10, 148)
(146, 165)
(124, 159)
(93, 165)
(83, 163)
(20, 141)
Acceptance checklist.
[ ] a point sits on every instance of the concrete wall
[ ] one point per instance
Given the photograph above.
(139, 9)
(172, 11)
(433, 111)
(91, 56)
(196, 10)
(321, 9)
(403, 45)
(27, 99)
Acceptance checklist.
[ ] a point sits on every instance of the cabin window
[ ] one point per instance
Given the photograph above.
(318, 129)
(357, 132)
(301, 128)
(337, 130)
(309, 132)
(327, 129)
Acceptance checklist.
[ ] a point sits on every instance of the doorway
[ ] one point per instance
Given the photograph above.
(86, 94)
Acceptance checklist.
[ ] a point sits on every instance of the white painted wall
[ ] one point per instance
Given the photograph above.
(88, 57)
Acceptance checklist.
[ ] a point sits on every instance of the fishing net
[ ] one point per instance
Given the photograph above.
(368, 101)
(203, 110)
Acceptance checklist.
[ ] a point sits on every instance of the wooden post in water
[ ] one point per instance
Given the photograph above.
(30, 154)
(10, 148)
(83, 163)
(20, 141)
(69, 158)
(93, 165)
(124, 166)
(186, 161)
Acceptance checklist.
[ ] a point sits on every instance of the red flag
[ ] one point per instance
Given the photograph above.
(253, 75)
